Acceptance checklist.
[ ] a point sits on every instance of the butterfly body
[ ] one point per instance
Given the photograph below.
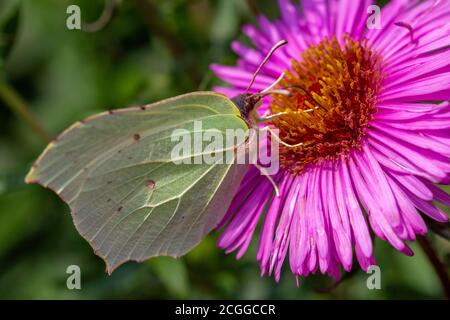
(246, 103)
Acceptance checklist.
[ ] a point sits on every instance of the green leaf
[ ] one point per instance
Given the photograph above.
(8, 9)
(31, 45)
(226, 23)
(172, 272)
(11, 181)
(128, 198)
(18, 218)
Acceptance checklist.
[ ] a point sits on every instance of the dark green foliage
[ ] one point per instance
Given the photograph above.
(140, 56)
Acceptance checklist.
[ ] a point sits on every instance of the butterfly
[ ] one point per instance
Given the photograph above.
(127, 197)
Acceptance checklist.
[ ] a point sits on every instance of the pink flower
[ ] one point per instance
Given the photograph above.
(374, 145)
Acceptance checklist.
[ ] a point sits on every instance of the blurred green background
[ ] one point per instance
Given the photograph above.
(148, 51)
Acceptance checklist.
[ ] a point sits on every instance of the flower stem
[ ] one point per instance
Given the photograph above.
(17, 105)
(253, 7)
(438, 266)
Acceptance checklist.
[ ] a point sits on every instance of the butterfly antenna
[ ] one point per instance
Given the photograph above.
(268, 56)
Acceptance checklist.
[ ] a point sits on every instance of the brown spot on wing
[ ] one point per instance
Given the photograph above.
(150, 184)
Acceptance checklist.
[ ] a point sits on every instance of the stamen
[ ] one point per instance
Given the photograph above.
(334, 89)
(314, 96)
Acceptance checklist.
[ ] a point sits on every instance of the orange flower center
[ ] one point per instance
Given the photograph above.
(334, 92)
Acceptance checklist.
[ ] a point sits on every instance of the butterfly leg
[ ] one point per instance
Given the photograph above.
(257, 119)
(277, 138)
(274, 184)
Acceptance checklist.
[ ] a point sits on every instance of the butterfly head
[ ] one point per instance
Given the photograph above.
(246, 103)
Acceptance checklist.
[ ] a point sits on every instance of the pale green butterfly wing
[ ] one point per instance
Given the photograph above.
(127, 197)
